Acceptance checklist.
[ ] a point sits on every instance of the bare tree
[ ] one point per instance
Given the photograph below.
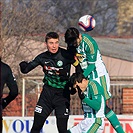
(25, 22)
(22, 17)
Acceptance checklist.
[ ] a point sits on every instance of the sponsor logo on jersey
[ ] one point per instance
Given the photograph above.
(38, 109)
(59, 63)
(51, 68)
(46, 62)
(67, 111)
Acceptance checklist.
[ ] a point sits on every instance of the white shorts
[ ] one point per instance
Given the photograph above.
(89, 125)
(104, 81)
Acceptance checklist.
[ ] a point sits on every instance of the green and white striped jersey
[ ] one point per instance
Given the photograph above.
(90, 58)
(94, 102)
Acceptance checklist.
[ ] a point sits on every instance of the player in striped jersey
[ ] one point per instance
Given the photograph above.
(89, 57)
(91, 94)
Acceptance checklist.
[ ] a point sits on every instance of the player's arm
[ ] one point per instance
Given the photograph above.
(70, 54)
(76, 64)
(25, 66)
(91, 57)
(89, 69)
(94, 103)
(13, 89)
(78, 69)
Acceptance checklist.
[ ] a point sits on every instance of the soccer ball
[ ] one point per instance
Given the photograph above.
(87, 23)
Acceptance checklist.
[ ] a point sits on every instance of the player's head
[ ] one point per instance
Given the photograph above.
(52, 42)
(78, 80)
(72, 37)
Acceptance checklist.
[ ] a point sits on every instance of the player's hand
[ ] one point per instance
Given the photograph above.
(72, 90)
(80, 93)
(23, 65)
(63, 74)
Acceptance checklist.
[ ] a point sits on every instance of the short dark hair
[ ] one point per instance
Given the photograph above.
(51, 35)
(77, 77)
(71, 36)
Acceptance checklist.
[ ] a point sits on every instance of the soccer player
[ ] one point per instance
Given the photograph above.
(56, 63)
(90, 60)
(7, 78)
(91, 94)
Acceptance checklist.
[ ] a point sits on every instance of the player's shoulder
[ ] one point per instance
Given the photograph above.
(93, 82)
(66, 54)
(95, 86)
(5, 69)
(42, 54)
(87, 37)
(62, 49)
(4, 65)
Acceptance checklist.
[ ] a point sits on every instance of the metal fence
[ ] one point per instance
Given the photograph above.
(115, 103)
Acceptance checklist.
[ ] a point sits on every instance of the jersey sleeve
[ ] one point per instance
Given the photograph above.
(94, 103)
(26, 67)
(91, 55)
(95, 100)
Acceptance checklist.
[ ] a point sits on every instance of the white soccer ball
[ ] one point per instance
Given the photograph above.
(87, 23)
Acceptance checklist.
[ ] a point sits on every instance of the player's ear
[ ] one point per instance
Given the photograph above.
(83, 80)
(80, 36)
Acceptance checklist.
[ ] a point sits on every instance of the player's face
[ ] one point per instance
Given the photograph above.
(79, 39)
(52, 45)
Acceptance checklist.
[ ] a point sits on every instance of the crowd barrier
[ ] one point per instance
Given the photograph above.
(24, 124)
